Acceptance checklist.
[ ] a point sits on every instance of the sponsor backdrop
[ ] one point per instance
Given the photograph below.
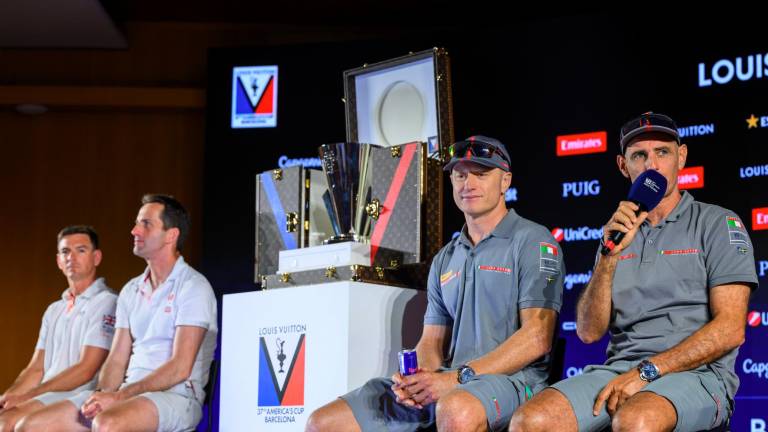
(556, 92)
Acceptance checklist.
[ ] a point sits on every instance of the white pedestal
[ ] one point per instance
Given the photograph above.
(322, 256)
(341, 334)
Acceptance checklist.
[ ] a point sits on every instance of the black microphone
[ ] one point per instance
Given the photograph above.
(646, 191)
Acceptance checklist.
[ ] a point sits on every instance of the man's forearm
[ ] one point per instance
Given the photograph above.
(27, 380)
(593, 309)
(709, 343)
(431, 346)
(68, 379)
(112, 376)
(514, 354)
(728, 305)
(429, 356)
(530, 342)
(161, 379)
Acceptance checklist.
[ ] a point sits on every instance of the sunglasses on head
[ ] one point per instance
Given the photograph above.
(475, 148)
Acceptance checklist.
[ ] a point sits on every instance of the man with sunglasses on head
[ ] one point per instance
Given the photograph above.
(494, 293)
(673, 293)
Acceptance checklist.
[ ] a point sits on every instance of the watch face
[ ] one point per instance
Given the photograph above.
(649, 371)
(466, 374)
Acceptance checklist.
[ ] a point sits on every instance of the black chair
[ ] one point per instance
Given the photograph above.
(725, 427)
(556, 361)
(210, 387)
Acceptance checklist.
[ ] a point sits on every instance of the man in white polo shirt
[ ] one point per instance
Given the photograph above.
(164, 342)
(75, 334)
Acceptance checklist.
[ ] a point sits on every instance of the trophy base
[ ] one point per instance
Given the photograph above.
(323, 256)
(345, 238)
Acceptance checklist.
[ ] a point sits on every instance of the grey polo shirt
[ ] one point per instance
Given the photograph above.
(662, 281)
(185, 298)
(479, 290)
(66, 330)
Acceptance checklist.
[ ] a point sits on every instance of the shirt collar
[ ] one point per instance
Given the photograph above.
(685, 202)
(94, 288)
(504, 229)
(178, 267)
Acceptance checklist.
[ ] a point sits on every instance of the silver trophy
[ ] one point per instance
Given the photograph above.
(346, 166)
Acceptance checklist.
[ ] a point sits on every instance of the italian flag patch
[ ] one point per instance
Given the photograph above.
(547, 249)
(734, 222)
(548, 262)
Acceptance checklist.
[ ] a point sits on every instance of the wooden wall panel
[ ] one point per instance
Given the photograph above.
(72, 167)
(89, 161)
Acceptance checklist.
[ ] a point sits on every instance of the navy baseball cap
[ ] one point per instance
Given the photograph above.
(647, 122)
(481, 150)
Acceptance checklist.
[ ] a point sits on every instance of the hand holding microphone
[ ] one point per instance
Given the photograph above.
(622, 227)
(644, 195)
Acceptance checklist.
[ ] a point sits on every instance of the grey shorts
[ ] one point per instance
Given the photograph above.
(176, 412)
(376, 409)
(53, 397)
(698, 396)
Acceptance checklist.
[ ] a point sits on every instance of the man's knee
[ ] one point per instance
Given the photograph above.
(645, 411)
(547, 411)
(526, 419)
(460, 411)
(629, 420)
(317, 422)
(636, 420)
(7, 421)
(30, 422)
(25, 424)
(107, 422)
(335, 416)
(12, 417)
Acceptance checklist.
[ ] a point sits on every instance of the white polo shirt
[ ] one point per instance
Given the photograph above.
(184, 299)
(69, 325)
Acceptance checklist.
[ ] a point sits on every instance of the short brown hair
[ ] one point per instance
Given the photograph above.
(174, 215)
(79, 229)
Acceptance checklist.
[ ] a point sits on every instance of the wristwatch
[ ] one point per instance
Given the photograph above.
(465, 374)
(649, 372)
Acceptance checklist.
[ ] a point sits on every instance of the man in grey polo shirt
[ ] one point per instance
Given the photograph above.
(493, 294)
(75, 334)
(166, 332)
(673, 294)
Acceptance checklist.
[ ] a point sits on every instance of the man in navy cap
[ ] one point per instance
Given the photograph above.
(494, 293)
(673, 294)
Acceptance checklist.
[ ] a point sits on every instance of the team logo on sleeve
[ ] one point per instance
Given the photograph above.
(736, 231)
(448, 276)
(548, 258)
(107, 325)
